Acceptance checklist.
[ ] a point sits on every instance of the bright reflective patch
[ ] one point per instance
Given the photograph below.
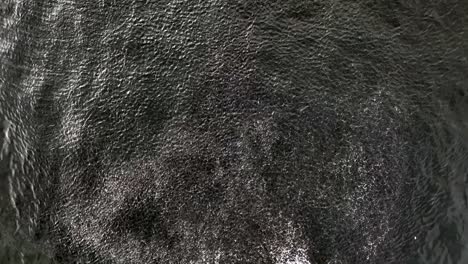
(290, 247)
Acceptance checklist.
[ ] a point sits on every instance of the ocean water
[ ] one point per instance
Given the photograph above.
(288, 132)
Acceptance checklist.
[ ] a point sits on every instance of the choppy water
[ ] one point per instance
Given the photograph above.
(233, 132)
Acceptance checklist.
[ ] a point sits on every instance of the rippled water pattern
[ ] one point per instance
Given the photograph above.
(246, 131)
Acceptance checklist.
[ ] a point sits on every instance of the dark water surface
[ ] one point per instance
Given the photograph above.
(286, 132)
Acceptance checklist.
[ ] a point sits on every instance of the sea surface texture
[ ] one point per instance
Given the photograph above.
(243, 131)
